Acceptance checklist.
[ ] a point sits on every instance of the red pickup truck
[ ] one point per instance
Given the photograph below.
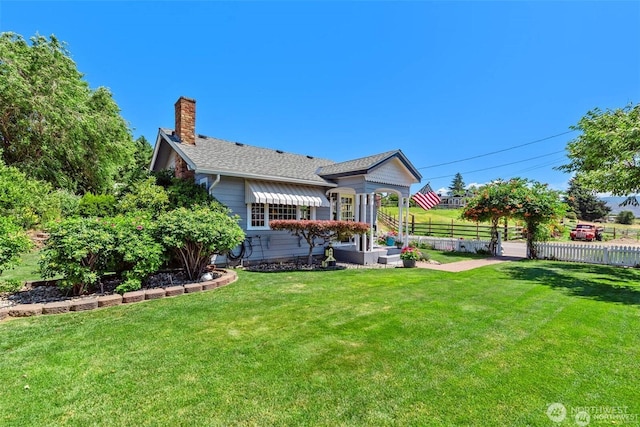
(586, 232)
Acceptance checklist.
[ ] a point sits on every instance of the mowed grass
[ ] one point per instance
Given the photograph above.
(26, 270)
(491, 346)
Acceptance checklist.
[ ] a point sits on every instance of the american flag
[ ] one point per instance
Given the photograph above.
(426, 198)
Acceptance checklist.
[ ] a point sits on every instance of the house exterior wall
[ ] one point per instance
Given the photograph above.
(266, 244)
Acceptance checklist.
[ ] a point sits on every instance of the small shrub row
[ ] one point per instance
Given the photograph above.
(84, 250)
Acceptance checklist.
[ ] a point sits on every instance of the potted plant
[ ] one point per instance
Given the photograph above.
(391, 237)
(409, 255)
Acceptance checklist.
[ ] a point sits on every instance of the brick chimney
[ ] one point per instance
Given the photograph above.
(186, 120)
(186, 131)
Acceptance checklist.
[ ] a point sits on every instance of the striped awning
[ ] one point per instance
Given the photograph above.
(284, 194)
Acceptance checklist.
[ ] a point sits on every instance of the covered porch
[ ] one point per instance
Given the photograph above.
(349, 205)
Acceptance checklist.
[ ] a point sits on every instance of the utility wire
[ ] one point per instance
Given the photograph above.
(498, 151)
(499, 166)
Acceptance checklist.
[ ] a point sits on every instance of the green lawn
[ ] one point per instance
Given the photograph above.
(27, 270)
(491, 346)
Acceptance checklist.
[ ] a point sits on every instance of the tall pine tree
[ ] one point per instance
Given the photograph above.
(584, 202)
(457, 186)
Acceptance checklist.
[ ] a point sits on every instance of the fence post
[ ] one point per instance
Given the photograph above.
(499, 248)
(477, 230)
(506, 230)
(605, 256)
(413, 224)
(452, 229)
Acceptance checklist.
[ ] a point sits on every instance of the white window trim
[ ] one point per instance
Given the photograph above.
(266, 225)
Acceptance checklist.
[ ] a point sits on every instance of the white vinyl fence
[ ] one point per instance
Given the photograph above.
(592, 254)
(454, 245)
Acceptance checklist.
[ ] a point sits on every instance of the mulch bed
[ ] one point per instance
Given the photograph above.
(43, 292)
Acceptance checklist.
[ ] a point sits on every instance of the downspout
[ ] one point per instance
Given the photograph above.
(213, 184)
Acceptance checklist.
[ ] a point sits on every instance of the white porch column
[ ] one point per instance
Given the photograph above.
(400, 212)
(406, 223)
(372, 201)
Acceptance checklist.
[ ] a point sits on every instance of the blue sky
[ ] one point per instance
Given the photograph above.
(442, 81)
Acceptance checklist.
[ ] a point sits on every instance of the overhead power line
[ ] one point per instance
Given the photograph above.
(498, 151)
(498, 166)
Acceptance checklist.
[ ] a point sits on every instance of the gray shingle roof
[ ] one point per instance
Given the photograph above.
(213, 155)
(357, 165)
(364, 164)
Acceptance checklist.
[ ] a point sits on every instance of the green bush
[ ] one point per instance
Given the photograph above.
(571, 215)
(137, 253)
(625, 217)
(183, 193)
(97, 205)
(13, 242)
(77, 249)
(145, 196)
(83, 250)
(22, 199)
(193, 235)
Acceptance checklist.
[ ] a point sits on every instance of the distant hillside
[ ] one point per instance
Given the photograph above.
(614, 204)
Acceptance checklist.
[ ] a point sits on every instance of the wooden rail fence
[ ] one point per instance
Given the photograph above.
(451, 230)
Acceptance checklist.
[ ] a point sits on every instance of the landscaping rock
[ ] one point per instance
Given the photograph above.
(154, 293)
(84, 304)
(109, 300)
(25, 310)
(4, 312)
(210, 284)
(57, 307)
(193, 287)
(135, 296)
(172, 291)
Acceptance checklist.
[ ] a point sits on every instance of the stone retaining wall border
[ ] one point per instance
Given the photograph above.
(84, 304)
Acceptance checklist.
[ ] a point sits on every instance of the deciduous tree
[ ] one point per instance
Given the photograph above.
(533, 202)
(317, 233)
(53, 126)
(606, 154)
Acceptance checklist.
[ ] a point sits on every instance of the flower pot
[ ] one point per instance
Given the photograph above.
(409, 263)
(390, 241)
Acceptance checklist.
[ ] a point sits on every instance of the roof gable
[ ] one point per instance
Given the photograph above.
(217, 156)
(365, 165)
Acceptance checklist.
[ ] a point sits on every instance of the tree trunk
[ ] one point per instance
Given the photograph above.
(493, 243)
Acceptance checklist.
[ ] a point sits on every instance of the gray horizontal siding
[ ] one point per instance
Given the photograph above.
(266, 244)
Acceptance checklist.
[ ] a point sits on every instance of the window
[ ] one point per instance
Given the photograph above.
(259, 214)
(346, 208)
(282, 212)
(305, 212)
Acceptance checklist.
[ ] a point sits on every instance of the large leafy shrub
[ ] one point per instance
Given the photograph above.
(145, 196)
(182, 193)
(192, 235)
(83, 250)
(93, 205)
(79, 250)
